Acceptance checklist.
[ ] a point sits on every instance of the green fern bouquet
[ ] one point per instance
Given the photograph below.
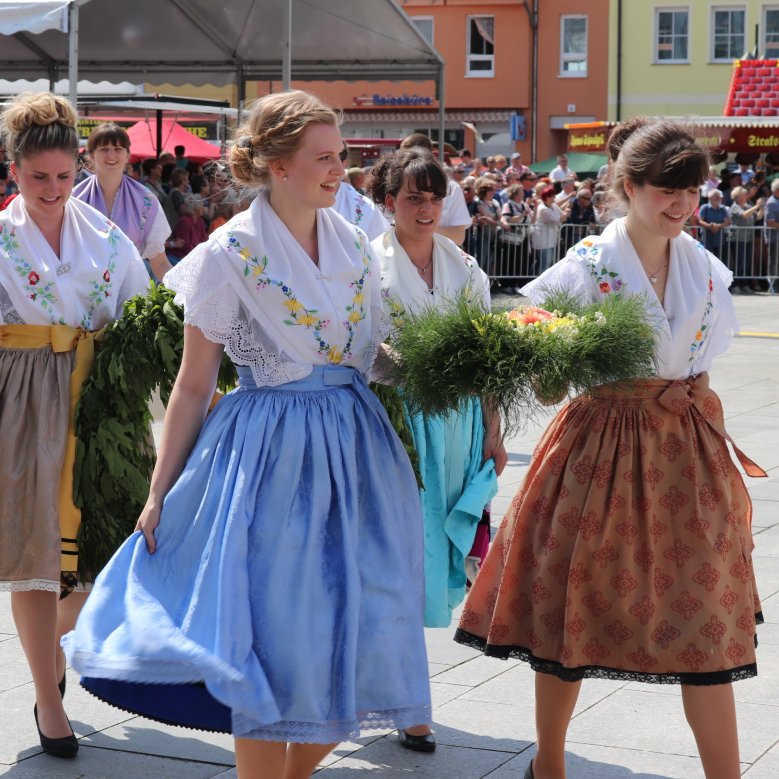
(521, 357)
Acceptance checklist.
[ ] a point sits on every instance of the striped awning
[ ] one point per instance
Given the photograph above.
(416, 116)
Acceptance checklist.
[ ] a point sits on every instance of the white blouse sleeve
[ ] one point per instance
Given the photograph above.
(376, 224)
(156, 233)
(572, 274)
(479, 283)
(212, 305)
(381, 322)
(455, 211)
(724, 324)
(202, 288)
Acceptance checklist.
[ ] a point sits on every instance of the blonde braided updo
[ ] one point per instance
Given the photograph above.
(274, 131)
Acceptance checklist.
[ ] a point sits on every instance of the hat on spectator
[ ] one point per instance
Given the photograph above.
(516, 155)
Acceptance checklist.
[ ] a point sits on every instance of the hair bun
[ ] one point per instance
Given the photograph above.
(42, 108)
(621, 133)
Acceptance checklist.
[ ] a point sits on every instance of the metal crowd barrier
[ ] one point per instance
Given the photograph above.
(507, 254)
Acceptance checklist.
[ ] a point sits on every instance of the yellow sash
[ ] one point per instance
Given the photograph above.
(61, 338)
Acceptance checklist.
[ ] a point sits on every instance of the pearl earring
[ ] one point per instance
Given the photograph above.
(283, 178)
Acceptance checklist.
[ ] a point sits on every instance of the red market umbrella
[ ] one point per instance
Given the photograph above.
(143, 141)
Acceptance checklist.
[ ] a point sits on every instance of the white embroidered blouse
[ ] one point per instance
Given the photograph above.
(252, 288)
(97, 270)
(360, 210)
(697, 319)
(403, 289)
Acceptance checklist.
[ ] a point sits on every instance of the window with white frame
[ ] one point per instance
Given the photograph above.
(425, 25)
(573, 46)
(672, 35)
(480, 46)
(728, 35)
(771, 34)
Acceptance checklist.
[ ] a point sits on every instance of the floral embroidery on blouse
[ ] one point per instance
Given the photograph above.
(148, 202)
(42, 294)
(394, 309)
(357, 208)
(102, 286)
(299, 315)
(606, 279)
(702, 333)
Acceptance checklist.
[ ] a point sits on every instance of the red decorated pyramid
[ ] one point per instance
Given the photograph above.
(754, 89)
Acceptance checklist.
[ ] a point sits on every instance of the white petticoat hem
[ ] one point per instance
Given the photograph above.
(31, 584)
(298, 732)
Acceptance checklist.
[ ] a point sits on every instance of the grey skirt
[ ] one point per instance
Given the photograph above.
(34, 408)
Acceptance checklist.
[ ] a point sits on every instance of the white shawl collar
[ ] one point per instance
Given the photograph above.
(253, 288)
(698, 320)
(98, 268)
(453, 271)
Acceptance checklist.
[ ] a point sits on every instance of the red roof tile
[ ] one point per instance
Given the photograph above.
(754, 89)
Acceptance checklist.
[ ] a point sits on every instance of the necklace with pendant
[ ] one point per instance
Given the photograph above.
(653, 275)
(421, 271)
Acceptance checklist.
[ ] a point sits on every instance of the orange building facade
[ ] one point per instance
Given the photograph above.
(488, 48)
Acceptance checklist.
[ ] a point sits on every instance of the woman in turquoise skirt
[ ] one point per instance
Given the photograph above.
(460, 454)
(274, 589)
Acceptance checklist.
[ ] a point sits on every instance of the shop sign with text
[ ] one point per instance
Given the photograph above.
(588, 140)
(404, 100)
(715, 139)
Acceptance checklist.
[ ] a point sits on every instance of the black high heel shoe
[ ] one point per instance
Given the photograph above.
(67, 746)
(529, 771)
(424, 743)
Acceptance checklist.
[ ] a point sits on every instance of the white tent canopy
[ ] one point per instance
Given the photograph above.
(33, 16)
(205, 42)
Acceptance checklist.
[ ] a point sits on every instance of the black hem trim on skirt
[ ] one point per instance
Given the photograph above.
(557, 669)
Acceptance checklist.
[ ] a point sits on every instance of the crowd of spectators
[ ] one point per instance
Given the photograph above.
(196, 198)
(522, 222)
(733, 204)
(518, 217)
(513, 220)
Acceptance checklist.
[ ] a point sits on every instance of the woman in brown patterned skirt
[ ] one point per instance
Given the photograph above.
(626, 553)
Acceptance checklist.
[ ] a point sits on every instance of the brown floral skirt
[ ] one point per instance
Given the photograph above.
(626, 553)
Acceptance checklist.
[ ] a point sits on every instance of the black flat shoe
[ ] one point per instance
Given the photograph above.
(424, 743)
(529, 771)
(61, 685)
(67, 746)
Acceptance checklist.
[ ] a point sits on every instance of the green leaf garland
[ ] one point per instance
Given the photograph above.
(139, 352)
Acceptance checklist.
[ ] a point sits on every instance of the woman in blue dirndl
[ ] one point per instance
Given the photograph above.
(460, 453)
(275, 589)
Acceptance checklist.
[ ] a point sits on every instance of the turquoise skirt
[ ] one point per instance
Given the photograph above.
(457, 487)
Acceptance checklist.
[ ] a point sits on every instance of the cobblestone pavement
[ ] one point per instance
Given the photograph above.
(483, 707)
